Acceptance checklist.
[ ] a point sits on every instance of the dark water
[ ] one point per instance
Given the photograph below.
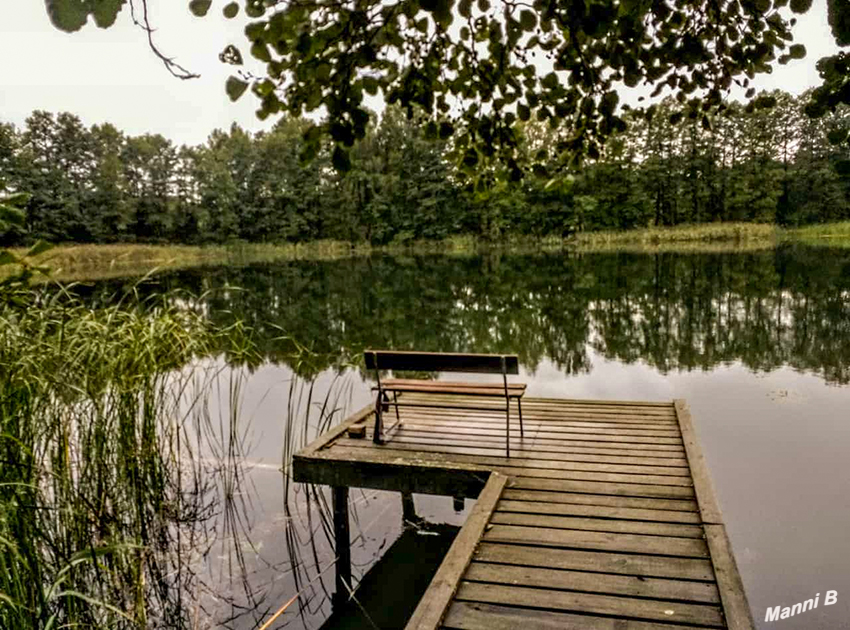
(758, 344)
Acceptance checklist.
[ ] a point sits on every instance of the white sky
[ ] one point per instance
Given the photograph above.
(111, 75)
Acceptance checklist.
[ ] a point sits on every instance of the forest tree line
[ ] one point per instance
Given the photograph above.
(758, 164)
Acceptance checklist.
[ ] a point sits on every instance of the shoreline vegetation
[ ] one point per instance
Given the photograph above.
(93, 261)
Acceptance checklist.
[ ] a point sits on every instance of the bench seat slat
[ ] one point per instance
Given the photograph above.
(460, 390)
(488, 389)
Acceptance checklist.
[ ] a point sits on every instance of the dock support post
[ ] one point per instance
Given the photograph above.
(408, 508)
(342, 541)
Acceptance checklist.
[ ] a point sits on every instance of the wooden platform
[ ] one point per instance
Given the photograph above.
(603, 517)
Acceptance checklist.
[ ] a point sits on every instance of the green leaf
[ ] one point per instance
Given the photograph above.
(797, 51)
(39, 248)
(235, 87)
(105, 12)
(801, 6)
(523, 112)
(231, 10)
(67, 15)
(200, 7)
(527, 20)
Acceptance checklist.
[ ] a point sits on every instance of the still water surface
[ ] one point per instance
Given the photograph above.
(758, 344)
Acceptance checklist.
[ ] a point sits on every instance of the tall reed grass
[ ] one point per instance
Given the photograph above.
(100, 486)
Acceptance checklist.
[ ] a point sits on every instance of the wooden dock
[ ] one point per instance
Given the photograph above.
(604, 516)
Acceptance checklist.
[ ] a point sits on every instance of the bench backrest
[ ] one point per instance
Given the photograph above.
(440, 362)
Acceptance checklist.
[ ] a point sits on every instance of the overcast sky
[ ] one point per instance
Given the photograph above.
(111, 75)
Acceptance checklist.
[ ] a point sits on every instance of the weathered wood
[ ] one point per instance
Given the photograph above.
(403, 449)
(425, 423)
(400, 476)
(579, 560)
(557, 450)
(324, 440)
(572, 434)
(706, 498)
(451, 417)
(623, 607)
(488, 404)
(604, 583)
(403, 441)
(738, 614)
(606, 519)
(601, 541)
(546, 496)
(458, 389)
(432, 607)
(442, 384)
(598, 512)
(342, 544)
(594, 487)
(597, 524)
(480, 616)
(440, 362)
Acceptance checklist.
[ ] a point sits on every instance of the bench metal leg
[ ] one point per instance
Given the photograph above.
(508, 428)
(519, 404)
(395, 400)
(377, 435)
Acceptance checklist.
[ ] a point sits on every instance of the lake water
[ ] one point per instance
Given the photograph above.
(757, 343)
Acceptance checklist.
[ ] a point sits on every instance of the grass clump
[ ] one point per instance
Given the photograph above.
(96, 480)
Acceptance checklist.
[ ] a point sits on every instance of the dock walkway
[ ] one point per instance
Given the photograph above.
(603, 517)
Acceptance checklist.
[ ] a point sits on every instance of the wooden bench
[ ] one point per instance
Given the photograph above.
(378, 360)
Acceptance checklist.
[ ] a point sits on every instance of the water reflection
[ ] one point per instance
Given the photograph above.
(759, 343)
(765, 309)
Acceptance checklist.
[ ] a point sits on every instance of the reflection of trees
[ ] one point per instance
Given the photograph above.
(790, 306)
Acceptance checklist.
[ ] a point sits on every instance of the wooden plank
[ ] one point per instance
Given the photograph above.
(706, 498)
(491, 407)
(461, 418)
(465, 424)
(480, 616)
(404, 450)
(537, 441)
(493, 447)
(623, 607)
(468, 390)
(557, 406)
(601, 500)
(591, 487)
(432, 607)
(594, 561)
(614, 526)
(589, 402)
(529, 447)
(599, 541)
(546, 474)
(418, 381)
(598, 511)
(603, 583)
(738, 614)
(365, 453)
(324, 440)
(375, 472)
(440, 361)
(571, 434)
